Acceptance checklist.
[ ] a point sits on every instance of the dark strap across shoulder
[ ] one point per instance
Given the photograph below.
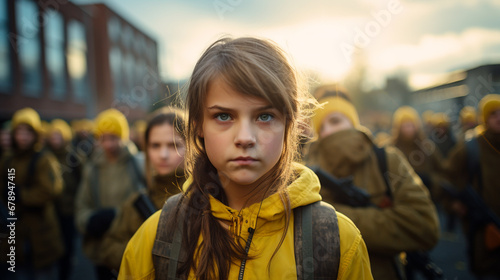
(382, 165)
(167, 253)
(317, 241)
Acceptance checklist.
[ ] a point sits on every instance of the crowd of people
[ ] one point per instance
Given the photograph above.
(254, 179)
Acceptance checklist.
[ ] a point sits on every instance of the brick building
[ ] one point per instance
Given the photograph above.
(73, 61)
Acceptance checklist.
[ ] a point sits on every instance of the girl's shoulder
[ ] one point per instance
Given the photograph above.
(137, 261)
(354, 260)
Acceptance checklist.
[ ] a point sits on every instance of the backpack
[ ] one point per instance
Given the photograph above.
(311, 261)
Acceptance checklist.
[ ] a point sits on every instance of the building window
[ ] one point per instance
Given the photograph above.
(114, 29)
(115, 62)
(54, 53)
(77, 60)
(127, 36)
(5, 66)
(28, 46)
(128, 70)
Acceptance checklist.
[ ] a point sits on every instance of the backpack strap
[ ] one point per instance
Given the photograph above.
(317, 255)
(382, 165)
(167, 253)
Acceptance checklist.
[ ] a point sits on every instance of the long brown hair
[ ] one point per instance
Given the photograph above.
(252, 67)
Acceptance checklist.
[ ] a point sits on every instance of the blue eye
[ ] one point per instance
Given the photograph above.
(223, 117)
(265, 117)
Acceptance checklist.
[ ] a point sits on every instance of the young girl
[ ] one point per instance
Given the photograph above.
(237, 215)
(165, 149)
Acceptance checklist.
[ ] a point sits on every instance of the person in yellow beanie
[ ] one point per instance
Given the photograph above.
(110, 176)
(59, 136)
(34, 183)
(165, 149)
(473, 166)
(441, 134)
(421, 152)
(345, 150)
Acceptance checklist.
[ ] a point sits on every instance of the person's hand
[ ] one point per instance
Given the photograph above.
(100, 222)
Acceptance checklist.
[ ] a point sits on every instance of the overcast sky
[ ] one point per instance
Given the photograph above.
(425, 38)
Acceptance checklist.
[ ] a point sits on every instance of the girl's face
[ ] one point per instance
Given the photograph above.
(24, 136)
(56, 140)
(408, 130)
(165, 149)
(334, 122)
(243, 135)
(111, 144)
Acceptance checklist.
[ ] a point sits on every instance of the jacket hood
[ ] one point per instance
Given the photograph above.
(263, 215)
(342, 152)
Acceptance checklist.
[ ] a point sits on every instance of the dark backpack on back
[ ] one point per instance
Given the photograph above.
(317, 255)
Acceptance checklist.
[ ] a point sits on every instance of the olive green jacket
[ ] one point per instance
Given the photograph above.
(37, 225)
(407, 223)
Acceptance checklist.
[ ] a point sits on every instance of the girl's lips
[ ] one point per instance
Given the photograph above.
(244, 160)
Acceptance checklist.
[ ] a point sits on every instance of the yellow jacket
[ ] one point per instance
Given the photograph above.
(137, 262)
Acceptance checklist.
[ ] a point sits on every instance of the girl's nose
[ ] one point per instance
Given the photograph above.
(164, 152)
(245, 135)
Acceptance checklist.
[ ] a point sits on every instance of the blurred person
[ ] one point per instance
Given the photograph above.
(473, 168)
(109, 178)
(441, 134)
(59, 138)
(37, 178)
(399, 215)
(422, 154)
(468, 121)
(165, 149)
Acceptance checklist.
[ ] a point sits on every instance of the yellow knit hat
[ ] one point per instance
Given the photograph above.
(27, 116)
(331, 105)
(112, 121)
(487, 105)
(403, 114)
(58, 125)
(468, 114)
